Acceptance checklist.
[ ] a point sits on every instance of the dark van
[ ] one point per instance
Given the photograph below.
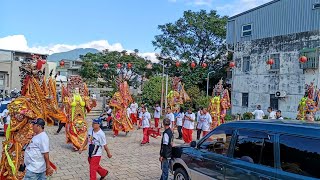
(252, 150)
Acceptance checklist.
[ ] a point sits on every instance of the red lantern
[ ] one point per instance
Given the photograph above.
(62, 63)
(106, 66)
(270, 62)
(119, 66)
(129, 65)
(193, 64)
(303, 59)
(232, 64)
(204, 65)
(178, 64)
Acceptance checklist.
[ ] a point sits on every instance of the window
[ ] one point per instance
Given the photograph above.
(316, 6)
(276, 64)
(246, 30)
(312, 59)
(274, 103)
(2, 80)
(238, 62)
(245, 99)
(254, 147)
(246, 64)
(218, 142)
(300, 155)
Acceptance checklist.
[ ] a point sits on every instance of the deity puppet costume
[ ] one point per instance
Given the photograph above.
(178, 95)
(38, 100)
(308, 105)
(77, 103)
(120, 101)
(219, 104)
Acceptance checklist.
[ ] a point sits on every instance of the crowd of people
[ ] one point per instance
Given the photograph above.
(259, 114)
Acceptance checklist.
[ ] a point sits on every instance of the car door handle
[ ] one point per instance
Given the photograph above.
(264, 178)
(219, 167)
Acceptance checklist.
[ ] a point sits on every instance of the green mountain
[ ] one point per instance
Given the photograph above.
(71, 55)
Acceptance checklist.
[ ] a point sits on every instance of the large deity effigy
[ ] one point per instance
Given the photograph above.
(308, 105)
(178, 95)
(38, 100)
(219, 104)
(119, 102)
(77, 103)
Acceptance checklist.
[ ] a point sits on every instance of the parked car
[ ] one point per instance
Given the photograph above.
(250, 150)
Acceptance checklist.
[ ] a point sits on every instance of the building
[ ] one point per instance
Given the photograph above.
(9, 68)
(71, 67)
(282, 30)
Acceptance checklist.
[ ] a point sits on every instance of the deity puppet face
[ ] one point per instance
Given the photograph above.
(76, 90)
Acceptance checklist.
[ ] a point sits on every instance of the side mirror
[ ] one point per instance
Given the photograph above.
(193, 144)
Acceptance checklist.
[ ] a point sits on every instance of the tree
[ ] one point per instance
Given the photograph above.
(152, 90)
(93, 67)
(197, 36)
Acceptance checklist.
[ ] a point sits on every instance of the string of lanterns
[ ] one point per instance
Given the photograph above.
(302, 59)
(192, 64)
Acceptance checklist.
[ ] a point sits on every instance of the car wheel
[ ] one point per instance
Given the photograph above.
(180, 174)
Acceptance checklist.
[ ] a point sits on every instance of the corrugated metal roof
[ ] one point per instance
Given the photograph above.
(253, 9)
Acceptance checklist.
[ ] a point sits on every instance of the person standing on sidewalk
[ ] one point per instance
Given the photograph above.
(258, 113)
(188, 126)
(157, 114)
(199, 125)
(170, 116)
(146, 117)
(166, 149)
(179, 122)
(36, 155)
(205, 121)
(96, 141)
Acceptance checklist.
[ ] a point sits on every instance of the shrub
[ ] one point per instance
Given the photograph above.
(247, 116)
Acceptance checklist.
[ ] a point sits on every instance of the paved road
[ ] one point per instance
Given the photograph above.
(130, 160)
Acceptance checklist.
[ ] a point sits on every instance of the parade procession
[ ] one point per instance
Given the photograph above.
(169, 90)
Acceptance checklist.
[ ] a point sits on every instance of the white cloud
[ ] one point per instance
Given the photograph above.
(20, 43)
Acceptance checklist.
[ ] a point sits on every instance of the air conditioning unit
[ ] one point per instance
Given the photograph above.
(280, 94)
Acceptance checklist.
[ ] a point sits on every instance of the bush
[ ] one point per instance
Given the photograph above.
(229, 117)
(202, 101)
(247, 116)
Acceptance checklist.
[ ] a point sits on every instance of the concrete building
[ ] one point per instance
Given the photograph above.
(9, 68)
(283, 30)
(71, 67)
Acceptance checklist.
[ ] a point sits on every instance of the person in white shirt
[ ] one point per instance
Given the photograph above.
(206, 121)
(36, 155)
(188, 126)
(129, 113)
(199, 123)
(170, 116)
(133, 114)
(258, 113)
(96, 140)
(278, 115)
(157, 114)
(179, 122)
(146, 121)
(272, 114)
